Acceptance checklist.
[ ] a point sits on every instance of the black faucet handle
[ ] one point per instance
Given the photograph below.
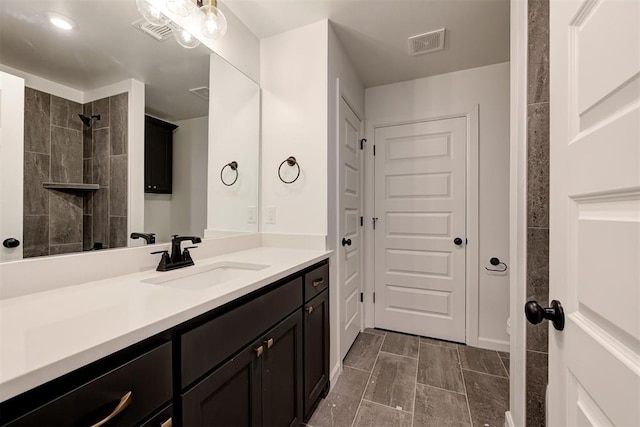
(190, 247)
(165, 260)
(186, 256)
(159, 252)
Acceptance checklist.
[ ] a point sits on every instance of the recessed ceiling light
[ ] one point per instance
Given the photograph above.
(61, 21)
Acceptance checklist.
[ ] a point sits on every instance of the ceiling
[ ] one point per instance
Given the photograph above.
(374, 32)
(104, 48)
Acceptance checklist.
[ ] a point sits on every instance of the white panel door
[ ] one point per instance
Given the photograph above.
(350, 252)
(594, 364)
(420, 203)
(11, 163)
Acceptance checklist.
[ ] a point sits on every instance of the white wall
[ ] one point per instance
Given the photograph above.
(234, 135)
(456, 93)
(293, 77)
(157, 216)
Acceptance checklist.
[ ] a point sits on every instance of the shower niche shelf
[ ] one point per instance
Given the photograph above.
(70, 186)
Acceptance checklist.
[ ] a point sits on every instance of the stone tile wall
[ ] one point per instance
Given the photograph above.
(538, 205)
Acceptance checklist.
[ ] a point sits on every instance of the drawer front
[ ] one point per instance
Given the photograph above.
(316, 281)
(208, 345)
(147, 379)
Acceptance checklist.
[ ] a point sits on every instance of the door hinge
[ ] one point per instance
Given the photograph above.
(362, 142)
(374, 297)
(361, 221)
(361, 297)
(374, 149)
(374, 220)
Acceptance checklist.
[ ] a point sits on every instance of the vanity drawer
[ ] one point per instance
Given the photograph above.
(146, 380)
(208, 345)
(316, 281)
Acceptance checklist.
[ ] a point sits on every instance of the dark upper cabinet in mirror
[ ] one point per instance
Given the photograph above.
(158, 155)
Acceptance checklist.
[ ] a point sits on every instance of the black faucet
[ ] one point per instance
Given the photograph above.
(150, 238)
(178, 258)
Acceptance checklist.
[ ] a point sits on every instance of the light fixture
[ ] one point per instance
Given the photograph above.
(181, 8)
(61, 21)
(151, 13)
(214, 23)
(184, 37)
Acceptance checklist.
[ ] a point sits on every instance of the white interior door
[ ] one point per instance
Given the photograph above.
(420, 203)
(11, 163)
(594, 364)
(350, 230)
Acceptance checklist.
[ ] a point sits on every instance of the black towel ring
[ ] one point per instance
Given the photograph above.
(496, 262)
(234, 167)
(291, 161)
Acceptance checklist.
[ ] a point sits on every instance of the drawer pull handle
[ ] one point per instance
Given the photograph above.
(310, 309)
(167, 423)
(125, 401)
(317, 283)
(259, 350)
(269, 342)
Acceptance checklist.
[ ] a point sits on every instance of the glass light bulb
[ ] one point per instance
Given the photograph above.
(151, 13)
(181, 7)
(214, 23)
(185, 38)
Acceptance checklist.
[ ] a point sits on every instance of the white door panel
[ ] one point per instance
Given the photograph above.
(594, 364)
(420, 200)
(350, 211)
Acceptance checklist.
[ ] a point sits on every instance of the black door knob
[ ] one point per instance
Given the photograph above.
(11, 243)
(536, 313)
(457, 241)
(346, 242)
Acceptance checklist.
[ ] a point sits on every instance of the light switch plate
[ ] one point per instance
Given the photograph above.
(271, 214)
(252, 215)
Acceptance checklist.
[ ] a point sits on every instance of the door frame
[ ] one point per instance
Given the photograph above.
(472, 114)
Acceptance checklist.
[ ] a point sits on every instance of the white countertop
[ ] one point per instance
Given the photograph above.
(47, 334)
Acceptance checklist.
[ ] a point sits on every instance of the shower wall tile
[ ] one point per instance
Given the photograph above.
(35, 196)
(87, 232)
(65, 218)
(118, 186)
(37, 119)
(64, 113)
(537, 378)
(101, 107)
(538, 51)
(119, 123)
(87, 171)
(538, 264)
(101, 157)
(66, 155)
(118, 232)
(538, 165)
(34, 251)
(35, 230)
(101, 216)
(87, 199)
(65, 249)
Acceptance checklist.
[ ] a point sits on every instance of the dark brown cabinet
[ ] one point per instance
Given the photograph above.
(158, 155)
(316, 351)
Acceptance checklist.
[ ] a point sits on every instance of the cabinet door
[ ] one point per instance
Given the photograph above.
(316, 350)
(282, 373)
(230, 396)
(158, 156)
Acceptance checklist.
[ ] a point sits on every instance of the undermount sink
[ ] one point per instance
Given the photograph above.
(205, 276)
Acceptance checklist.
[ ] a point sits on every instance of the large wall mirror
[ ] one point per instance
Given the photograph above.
(89, 94)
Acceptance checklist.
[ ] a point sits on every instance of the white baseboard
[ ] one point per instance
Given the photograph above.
(493, 344)
(508, 420)
(335, 374)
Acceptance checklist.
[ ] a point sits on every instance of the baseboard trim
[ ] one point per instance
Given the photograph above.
(492, 344)
(335, 374)
(508, 420)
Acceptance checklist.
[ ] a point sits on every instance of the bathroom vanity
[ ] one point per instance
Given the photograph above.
(256, 354)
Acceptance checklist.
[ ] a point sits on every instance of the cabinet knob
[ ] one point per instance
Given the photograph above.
(259, 351)
(310, 309)
(269, 342)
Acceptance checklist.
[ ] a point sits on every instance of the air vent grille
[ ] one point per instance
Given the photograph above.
(200, 92)
(427, 42)
(158, 32)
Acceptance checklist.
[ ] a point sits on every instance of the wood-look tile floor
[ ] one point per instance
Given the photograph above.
(392, 379)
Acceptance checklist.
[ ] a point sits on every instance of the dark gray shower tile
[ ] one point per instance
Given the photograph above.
(35, 196)
(340, 406)
(65, 218)
(118, 186)
(66, 155)
(404, 345)
(538, 165)
(538, 337)
(65, 249)
(364, 351)
(488, 398)
(433, 341)
(481, 360)
(101, 157)
(436, 407)
(101, 106)
(37, 119)
(87, 232)
(87, 203)
(439, 367)
(538, 264)
(64, 113)
(36, 230)
(536, 388)
(101, 216)
(87, 171)
(117, 232)
(373, 414)
(119, 123)
(393, 382)
(34, 251)
(538, 51)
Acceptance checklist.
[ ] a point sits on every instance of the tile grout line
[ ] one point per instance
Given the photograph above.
(353, 423)
(385, 406)
(415, 388)
(504, 366)
(464, 385)
(486, 373)
(442, 389)
(400, 355)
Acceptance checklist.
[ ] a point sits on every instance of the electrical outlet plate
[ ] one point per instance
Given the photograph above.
(252, 214)
(271, 214)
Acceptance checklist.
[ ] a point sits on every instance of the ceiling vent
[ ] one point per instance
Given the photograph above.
(158, 32)
(427, 42)
(201, 92)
